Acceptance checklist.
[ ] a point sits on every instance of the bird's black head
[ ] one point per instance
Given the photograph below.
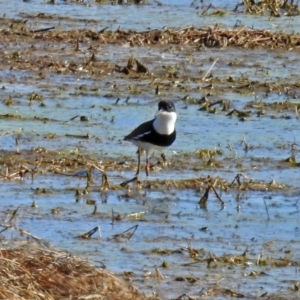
(166, 106)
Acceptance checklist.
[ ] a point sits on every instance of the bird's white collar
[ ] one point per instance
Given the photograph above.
(164, 122)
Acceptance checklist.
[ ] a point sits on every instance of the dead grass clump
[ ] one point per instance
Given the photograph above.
(276, 8)
(213, 36)
(33, 272)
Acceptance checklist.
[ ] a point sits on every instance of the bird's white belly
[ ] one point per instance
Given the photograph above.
(147, 146)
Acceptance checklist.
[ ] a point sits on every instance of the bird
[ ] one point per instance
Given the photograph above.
(156, 134)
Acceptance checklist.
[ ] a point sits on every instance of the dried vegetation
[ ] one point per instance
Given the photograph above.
(34, 272)
(198, 37)
(41, 160)
(275, 8)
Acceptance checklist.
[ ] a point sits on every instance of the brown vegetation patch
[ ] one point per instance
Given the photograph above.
(274, 8)
(32, 272)
(208, 37)
(41, 161)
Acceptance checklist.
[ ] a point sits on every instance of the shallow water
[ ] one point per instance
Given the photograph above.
(170, 219)
(172, 14)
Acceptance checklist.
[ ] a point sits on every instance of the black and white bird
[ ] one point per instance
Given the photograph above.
(156, 134)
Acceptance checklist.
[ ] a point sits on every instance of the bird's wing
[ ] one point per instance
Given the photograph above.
(140, 131)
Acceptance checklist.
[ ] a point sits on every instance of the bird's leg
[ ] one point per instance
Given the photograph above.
(147, 164)
(139, 162)
(135, 178)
